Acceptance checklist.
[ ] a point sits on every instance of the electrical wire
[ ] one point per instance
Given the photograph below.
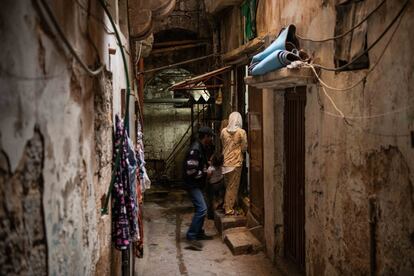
(336, 69)
(138, 55)
(52, 18)
(177, 64)
(375, 116)
(104, 209)
(96, 18)
(333, 103)
(364, 79)
(347, 32)
(343, 116)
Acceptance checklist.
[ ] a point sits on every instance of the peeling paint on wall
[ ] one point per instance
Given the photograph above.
(22, 232)
(346, 164)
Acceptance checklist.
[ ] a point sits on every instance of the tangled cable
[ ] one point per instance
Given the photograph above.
(363, 80)
(65, 40)
(336, 69)
(347, 32)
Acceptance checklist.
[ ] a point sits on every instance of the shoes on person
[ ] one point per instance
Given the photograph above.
(230, 213)
(210, 215)
(204, 237)
(194, 245)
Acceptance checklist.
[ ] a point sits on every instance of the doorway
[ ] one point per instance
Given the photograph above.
(294, 183)
(255, 141)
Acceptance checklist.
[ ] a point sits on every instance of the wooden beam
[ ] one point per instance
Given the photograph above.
(177, 42)
(282, 78)
(177, 48)
(248, 48)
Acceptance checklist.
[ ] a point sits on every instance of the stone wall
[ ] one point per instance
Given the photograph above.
(165, 124)
(369, 156)
(188, 15)
(347, 163)
(23, 244)
(56, 139)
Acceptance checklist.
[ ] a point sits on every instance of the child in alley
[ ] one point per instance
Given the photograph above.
(215, 187)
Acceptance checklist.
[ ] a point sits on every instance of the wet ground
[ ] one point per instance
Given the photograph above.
(167, 216)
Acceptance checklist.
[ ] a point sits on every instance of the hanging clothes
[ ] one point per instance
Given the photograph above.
(145, 181)
(140, 172)
(124, 230)
(139, 244)
(132, 177)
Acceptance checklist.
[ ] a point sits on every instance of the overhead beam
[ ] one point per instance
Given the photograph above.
(167, 101)
(244, 50)
(177, 48)
(178, 42)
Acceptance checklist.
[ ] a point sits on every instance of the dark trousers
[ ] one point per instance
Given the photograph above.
(215, 197)
(200, 211)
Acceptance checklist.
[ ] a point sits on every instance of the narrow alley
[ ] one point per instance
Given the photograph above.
(207, 137)
(167, 217)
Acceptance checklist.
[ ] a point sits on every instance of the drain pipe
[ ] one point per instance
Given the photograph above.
(372, 209)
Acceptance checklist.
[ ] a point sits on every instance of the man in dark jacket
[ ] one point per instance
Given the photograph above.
(195, 172)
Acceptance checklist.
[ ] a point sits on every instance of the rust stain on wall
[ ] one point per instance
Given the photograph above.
(75, 88)
(388, 178)
(41, 55)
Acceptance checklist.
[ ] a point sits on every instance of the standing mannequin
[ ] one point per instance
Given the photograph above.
(234, 143)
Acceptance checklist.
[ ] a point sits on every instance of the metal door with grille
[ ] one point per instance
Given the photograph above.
(255, 140)
(294, 185)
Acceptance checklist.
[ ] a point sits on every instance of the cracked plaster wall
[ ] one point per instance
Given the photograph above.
(52, 111)
(346, 164)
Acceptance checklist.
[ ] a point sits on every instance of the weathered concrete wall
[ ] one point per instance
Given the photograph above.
(23, 245)
(269, 168)
(188, 21)
(188, 15)
(348, 163)
(165, 125)
(56, 141)
(231, 31)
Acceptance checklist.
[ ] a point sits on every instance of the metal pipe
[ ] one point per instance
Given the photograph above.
(125, 262)
(192, 121)
(141, 88)
(171, 101)
(176, 64)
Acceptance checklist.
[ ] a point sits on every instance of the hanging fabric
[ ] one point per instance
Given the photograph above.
(124, 229)
(248, 11)
(139, 244)
(132, 177)
(145, 181)
(140, 179)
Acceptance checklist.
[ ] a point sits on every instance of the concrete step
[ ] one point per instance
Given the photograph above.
(241, 241)
(255, 227)
(223, 222)
(233, 230)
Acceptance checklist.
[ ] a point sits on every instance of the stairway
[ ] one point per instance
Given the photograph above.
(235, 232)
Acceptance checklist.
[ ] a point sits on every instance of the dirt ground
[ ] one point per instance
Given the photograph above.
(167, 217)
